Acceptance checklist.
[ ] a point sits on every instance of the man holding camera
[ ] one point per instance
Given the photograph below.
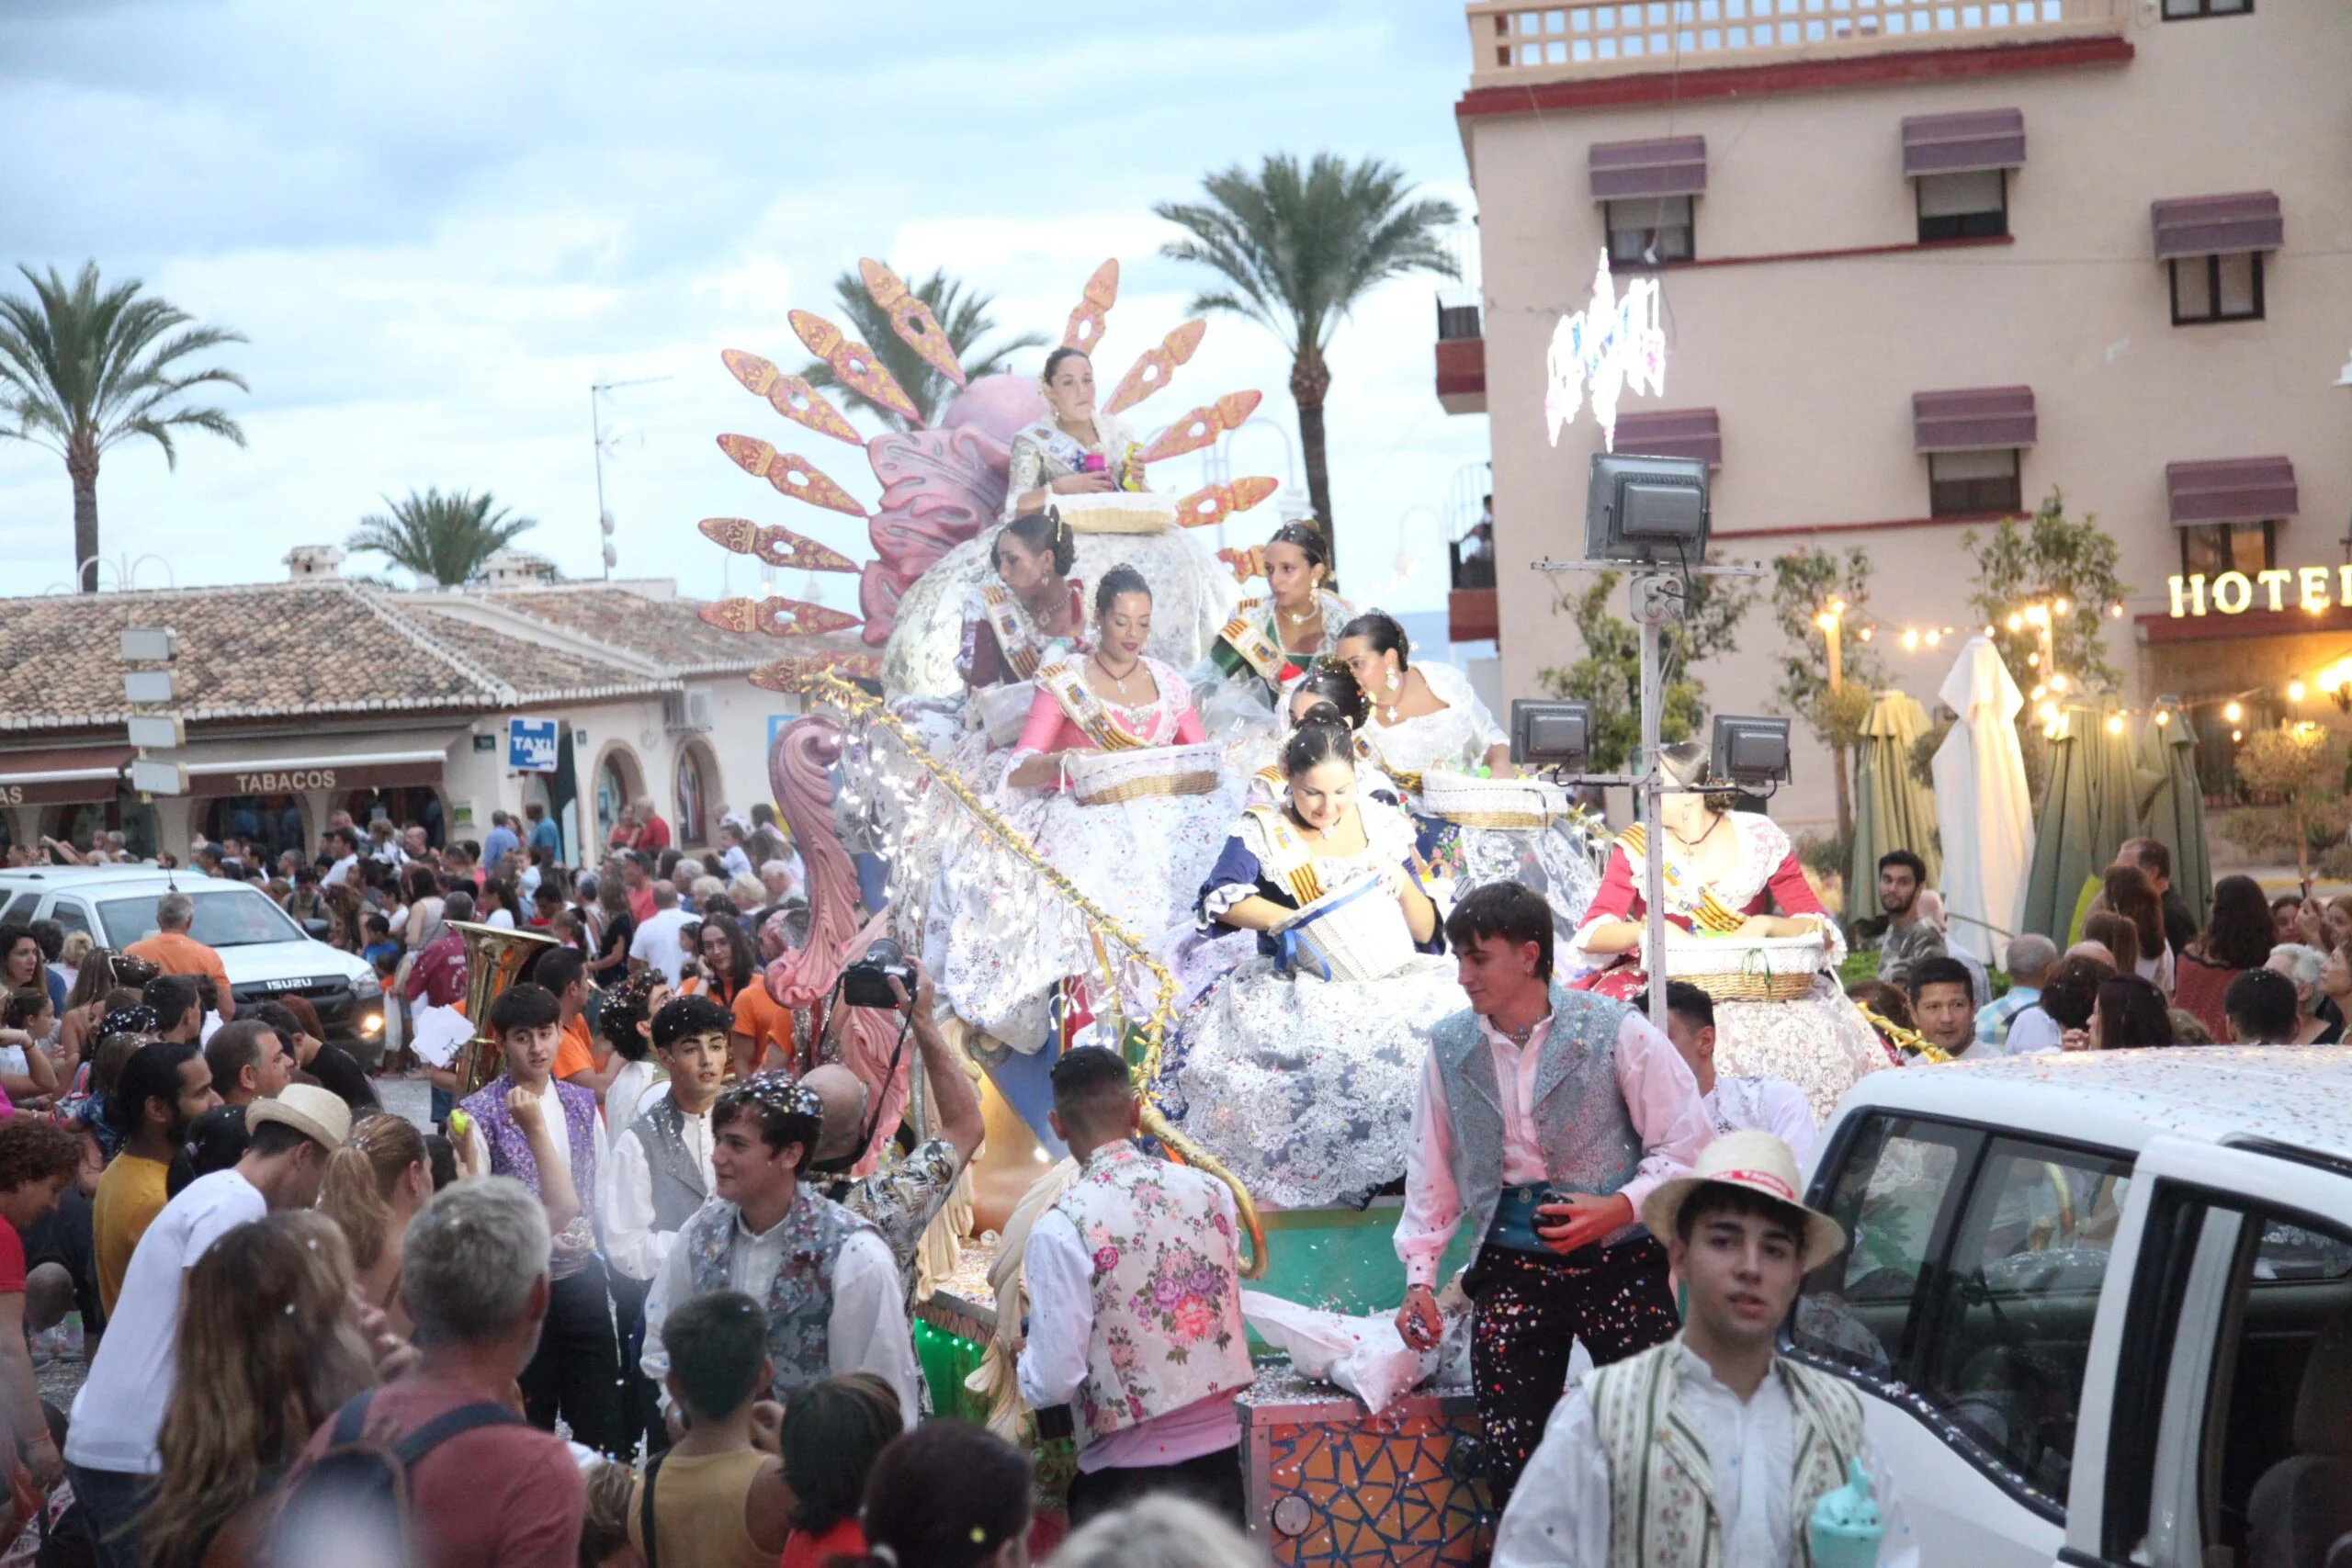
(1545, 1116)
(900, 1198)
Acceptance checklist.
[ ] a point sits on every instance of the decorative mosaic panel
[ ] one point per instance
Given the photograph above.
(1331, 1486)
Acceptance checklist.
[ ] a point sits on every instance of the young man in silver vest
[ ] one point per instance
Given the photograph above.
(1748, 1442)
(659, 1174)
(831, 1290)
(1545, 1116)
(1134, 1314)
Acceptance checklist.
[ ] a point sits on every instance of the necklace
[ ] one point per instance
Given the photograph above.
(1312, 613)
(1119, 681)
(1520, 1035)
(1694, 843)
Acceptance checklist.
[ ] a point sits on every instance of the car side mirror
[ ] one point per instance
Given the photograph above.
(318, 929)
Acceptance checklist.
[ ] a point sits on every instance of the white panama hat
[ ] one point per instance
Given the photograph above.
(1762, 1163)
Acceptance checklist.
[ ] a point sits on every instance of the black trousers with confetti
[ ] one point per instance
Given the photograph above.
(1530, 1308)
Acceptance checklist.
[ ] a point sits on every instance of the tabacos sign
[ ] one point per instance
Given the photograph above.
(2235, 592)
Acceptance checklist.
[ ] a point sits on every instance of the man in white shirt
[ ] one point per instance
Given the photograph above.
(1545, 1116)
(1709, 1448)
(549, 1136)
(656, 944)
(1134, 1314)
(659, 1175)
(771, 1237)
(1758, 1104)
(111, 1448)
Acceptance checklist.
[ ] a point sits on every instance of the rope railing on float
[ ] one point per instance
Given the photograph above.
(1901, 1039)
(823, 687)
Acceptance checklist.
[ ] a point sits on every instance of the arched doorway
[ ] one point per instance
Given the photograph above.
(617, 782)
(693, 780)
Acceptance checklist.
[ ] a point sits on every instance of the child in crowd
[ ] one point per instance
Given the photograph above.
(718, 1496)
(381, 950)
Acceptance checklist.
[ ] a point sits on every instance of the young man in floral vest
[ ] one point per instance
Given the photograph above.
(826, 1277)
(1134, 1293)
(549, 1136)
(1545, 1116)
(1709, 1450)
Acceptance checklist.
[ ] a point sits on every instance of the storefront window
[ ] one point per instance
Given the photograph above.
(2213, 548)
(76, 825)
(273, 821)
(689, 782)
(399, 805)
(614, 788)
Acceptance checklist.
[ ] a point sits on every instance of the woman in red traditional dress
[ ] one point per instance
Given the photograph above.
(1725, 872)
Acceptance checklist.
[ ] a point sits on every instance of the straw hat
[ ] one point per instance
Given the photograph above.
(1760, 1163)
(318, 1114)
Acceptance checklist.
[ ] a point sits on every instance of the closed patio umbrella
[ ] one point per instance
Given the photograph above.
(1983, 804)
(1892, 810)
(2120, 787)
(2176, 813)
(2064, 852)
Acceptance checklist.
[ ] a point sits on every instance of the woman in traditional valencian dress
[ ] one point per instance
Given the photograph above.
(1035, 611)
(1425, 717)
(1723, 869)
(1304, 1086)
(1296, 623)
(1139, 858)
(1075, 450)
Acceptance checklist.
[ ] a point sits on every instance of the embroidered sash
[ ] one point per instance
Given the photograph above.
(1698, 904)
(1016, 635)
(1245, 645)
(1084, 709)
(1287, 859)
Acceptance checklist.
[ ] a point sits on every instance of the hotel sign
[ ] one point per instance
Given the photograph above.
(2235, 592)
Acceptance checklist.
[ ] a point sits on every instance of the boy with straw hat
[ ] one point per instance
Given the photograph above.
(1710, 1449)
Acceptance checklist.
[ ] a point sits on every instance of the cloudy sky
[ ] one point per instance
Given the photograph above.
(440, 223)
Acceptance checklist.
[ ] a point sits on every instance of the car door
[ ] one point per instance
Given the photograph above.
(2197, 1445)
(1963, 1309)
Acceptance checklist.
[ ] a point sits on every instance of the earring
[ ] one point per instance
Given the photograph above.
(1394, 680)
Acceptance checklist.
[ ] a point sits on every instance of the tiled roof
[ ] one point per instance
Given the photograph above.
(277, 649)
(665, 630)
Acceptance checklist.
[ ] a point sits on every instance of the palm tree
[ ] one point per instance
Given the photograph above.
(1298, 249)
(962, 315)
(444, 539)
(82, 370)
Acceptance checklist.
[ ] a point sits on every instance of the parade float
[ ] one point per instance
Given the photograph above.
(1046, 915)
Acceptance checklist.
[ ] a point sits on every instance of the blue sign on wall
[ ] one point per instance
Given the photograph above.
(530, 745)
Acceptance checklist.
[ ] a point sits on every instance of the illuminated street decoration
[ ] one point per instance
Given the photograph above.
(2234, 593)
(1609, 346)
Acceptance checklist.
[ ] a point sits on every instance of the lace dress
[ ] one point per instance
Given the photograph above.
(1819, 1042)
(1142, 861)
(1557, 861)
(1045, 452)
(1305, 1087)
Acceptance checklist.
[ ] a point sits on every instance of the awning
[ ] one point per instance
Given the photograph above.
(1959, 143)
(1671, 432)
(1974, 418)
(292, 765)
(2218, 225)
(62, 775)
(1674, 165)
(2231, 490)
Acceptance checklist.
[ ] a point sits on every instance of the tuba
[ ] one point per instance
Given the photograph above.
(496, 958)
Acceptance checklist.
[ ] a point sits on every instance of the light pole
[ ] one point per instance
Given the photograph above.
(596, 391)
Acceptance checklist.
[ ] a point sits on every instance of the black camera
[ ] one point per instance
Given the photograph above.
(866, 982)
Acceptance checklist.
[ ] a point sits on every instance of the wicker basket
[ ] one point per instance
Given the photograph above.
(1106, 778)
(1004, 710)
(1356, 933)
(1467, 801)
(1745, 968)
(1119, 511)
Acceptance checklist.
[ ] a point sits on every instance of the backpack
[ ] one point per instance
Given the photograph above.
(351, 1504)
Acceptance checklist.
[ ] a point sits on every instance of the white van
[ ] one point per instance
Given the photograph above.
(2099, 1305)
(265, 953)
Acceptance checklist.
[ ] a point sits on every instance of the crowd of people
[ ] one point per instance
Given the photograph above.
(2258, 971)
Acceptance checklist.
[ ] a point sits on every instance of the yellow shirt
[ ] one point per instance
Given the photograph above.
(131, 1194)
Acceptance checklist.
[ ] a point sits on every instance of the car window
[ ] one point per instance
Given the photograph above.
(69, 913)
(19, 909)
(2007, 1325)
(1895, 1184)
(230, 918)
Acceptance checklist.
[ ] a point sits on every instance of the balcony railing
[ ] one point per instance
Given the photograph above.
(1515, 44)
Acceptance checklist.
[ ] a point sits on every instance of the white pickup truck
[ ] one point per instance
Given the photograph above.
(2100, 1304)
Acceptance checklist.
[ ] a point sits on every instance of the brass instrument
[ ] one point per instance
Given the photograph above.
(495, 957)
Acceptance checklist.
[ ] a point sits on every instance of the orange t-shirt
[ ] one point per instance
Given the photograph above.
(763, 1020)
(578, 1052)
(175, 952)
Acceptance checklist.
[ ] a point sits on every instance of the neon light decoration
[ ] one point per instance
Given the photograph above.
(1611, 344)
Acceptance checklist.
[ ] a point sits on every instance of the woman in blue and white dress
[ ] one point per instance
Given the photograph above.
(1304, 1086)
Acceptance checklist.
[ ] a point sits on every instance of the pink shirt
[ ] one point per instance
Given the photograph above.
(1661, 1097)
(1167, 720)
